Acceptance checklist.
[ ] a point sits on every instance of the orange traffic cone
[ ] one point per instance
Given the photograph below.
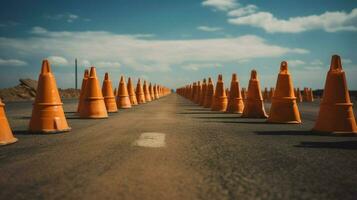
(190, 91)
(194, 91)
(265, 94)
(284, 108)
(203, 92)
(308, 95)
(146, 92)
(140, 96)
(132, 95)
(81, 94)
(305, 96)
(336, 113)
(311, 95)
(244, 94)
(123, 100)
(220, 99)
(198, 93)
(108, 94)
(271, 93)
(209, 94)
(93, 104)
(254, 105)
(151, 90)
(156, 92)
(235, 100)
(115, 92)
(298, 95)
(47, 112)
(6, 136)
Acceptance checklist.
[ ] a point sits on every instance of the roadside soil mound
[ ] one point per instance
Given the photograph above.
(26, 90)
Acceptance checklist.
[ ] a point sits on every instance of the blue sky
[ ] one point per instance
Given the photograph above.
(178, 41)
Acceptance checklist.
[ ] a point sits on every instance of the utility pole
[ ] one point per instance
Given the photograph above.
(75, 66)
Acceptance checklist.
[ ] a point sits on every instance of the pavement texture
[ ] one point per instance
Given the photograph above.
(173, 149)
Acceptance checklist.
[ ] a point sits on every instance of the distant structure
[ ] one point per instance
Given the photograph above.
(75, 71)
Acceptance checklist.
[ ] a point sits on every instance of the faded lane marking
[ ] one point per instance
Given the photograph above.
(151, 139)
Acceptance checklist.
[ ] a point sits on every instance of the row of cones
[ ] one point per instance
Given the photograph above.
(96, 103)
(48, 115)
(306, 95)
(335, 115)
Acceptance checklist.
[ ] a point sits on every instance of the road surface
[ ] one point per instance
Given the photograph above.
(173, 149)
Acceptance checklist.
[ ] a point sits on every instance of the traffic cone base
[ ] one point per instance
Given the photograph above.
(338, 119)
(6, 136)
(47, 112)
(52, 119)
(220, 104)
(133, 100)
(254, 108)
(286, 112)
(235, 105)
(123, 102)
(336, 113)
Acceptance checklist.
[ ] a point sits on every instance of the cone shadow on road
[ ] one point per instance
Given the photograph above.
(236, 122)
(70, 112)
(223, 117)
(347, 145)
(197, 109)
(298, 132)
(287, 132)
(201, 112)
(23, 117)
(26, 132)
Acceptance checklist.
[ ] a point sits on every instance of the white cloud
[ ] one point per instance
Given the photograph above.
(12, 62)
(142, 54)
(316, 62)
(296, 63)
(220, 4)
(84, 62)
(58, 60)
(249, 9)
(107, 64)
(346, 61)
(208, 28)
(301, 65)
(328, 21)
(313, 68)
(68, 17)
(198, 66)
(71, 18)
(38, 30)
(8, 24)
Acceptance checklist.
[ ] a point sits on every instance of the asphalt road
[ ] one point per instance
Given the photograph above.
(197, 154)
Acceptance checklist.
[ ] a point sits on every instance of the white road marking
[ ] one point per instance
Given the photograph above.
(151, 139)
